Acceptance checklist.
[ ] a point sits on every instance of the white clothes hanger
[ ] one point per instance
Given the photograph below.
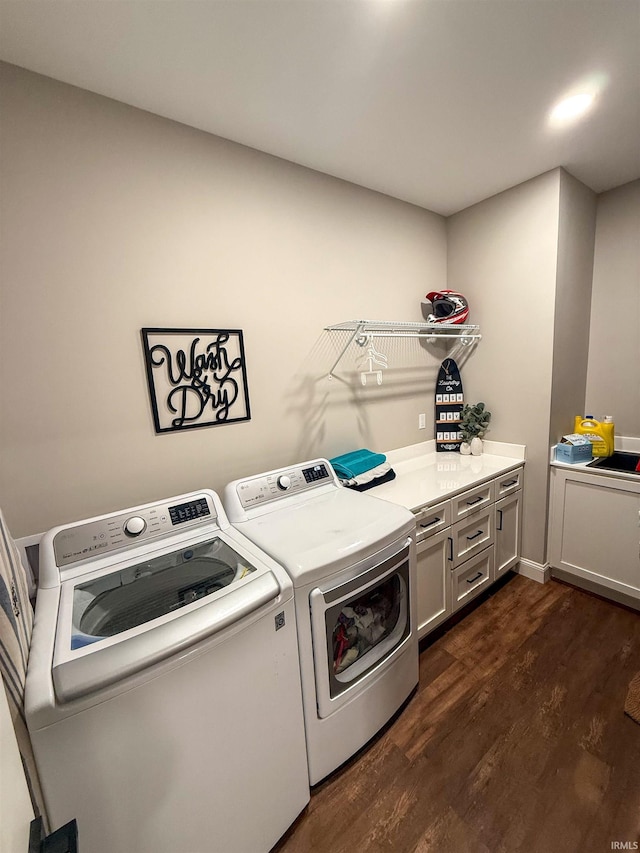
(373, 358)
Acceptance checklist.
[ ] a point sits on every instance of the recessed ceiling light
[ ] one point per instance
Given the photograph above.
(571, 108)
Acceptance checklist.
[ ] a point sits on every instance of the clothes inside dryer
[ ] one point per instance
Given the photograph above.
(124, 599)
(363, 623)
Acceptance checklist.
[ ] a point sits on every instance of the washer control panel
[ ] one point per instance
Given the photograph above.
(255, 491)
(99, 536)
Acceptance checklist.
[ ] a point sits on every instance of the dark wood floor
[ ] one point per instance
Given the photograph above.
(516, 739)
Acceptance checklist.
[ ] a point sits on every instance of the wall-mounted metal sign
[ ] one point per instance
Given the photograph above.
(197, 377)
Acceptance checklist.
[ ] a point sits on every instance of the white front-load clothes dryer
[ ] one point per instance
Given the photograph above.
(163, 692)
(352, 560)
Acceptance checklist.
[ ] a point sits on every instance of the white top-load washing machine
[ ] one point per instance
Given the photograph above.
(351, 557)
(163, 692)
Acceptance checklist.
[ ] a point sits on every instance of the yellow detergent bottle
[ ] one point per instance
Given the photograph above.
(600, 435)
(609, 428)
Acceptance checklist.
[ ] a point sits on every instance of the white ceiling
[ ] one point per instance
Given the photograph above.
(438, 102)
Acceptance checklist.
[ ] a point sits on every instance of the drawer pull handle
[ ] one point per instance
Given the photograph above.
(506, 485)
(475, 535)
(431, 523)
(474, 578)
(450, 548)
(475, 501)
(499, 527)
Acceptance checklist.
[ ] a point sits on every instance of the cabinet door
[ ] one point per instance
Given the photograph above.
(507, 533)
(594, 529)
(434, 582)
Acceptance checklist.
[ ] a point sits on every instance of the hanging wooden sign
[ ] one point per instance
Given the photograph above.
(449, 404)
(197, 377)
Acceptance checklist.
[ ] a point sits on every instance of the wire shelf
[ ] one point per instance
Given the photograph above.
(363, 330)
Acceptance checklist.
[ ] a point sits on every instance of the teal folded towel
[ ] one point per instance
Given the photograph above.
(352, 464)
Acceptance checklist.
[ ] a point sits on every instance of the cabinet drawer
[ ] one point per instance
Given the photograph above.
(472, 534)
(470, 501)
(432, 519)
(508, 483)
(472, 577)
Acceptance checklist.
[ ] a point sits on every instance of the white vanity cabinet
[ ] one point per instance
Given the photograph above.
(464, 544)
(594, 534)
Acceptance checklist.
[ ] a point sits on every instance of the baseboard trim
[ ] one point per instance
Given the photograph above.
(534, 571)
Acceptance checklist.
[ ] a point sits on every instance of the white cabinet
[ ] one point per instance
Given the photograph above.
(594, 535)
(463, 545)
(508, 527)
(433, 584)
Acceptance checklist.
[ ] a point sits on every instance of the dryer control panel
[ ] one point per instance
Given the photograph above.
(255, 491)
(99, 536)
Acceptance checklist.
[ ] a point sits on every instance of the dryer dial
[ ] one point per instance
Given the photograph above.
(134, 526)
(284, 482)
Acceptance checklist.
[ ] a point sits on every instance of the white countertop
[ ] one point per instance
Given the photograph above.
(425, 477)
(623, 443)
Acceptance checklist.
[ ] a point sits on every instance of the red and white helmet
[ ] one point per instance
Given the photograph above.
(449, 307)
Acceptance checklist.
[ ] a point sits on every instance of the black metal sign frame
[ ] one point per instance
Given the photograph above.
(197, 377)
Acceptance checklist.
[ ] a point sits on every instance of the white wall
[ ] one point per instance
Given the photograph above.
(613, 376)
(576, 235)
(114, 219)
(502, 253)
(525, 258)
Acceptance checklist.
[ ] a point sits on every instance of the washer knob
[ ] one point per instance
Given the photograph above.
(134, 526)
(284, 482)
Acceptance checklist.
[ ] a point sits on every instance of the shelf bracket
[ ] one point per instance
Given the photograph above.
(356, 332)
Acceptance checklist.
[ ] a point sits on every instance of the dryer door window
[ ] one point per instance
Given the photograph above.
(357, 627)
(364, 622)
(137, 594)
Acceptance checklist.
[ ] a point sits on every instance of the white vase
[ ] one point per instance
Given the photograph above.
(465, 449)
(476, 446)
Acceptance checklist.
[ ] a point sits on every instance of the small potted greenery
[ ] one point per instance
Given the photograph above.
(474, 422)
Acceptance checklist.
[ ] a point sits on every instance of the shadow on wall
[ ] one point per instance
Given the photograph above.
(336, 413)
